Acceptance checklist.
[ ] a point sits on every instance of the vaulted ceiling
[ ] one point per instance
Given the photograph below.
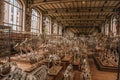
(81, 13)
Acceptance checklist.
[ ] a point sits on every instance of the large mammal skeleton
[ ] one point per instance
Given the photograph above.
(18, 74)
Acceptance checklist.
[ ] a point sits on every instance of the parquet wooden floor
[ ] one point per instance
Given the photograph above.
(101, 75)
(96, 74)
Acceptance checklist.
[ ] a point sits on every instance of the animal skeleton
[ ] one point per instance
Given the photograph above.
(41, 72)
(17, 73)
(68, 73)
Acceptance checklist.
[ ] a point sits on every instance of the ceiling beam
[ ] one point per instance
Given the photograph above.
(79, 23)
(79, 19)
(82, 26)
(74, 24)
(41, 8)
(71, 29)
(88, 30)
(83, 21)
(72, 12)
(80, 9)
(81, 16)
(43, 2)
(118, 5)
(79, 13)
(77, 30)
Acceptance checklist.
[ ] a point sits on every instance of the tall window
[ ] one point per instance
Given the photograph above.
(13, 14)
(35, 21)
(55, 28)
(47, 25)
(102, 28)
(114, 26)
(106, 28)
(60, 30)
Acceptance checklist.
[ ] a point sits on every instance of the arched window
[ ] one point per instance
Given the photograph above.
(60, 29)
(114, 26)
(13, 14)
(106, 28)
(47, 25)
(55, 28)
(102, 28)
(35, 21)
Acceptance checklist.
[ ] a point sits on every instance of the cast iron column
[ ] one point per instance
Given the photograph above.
(118, 73)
